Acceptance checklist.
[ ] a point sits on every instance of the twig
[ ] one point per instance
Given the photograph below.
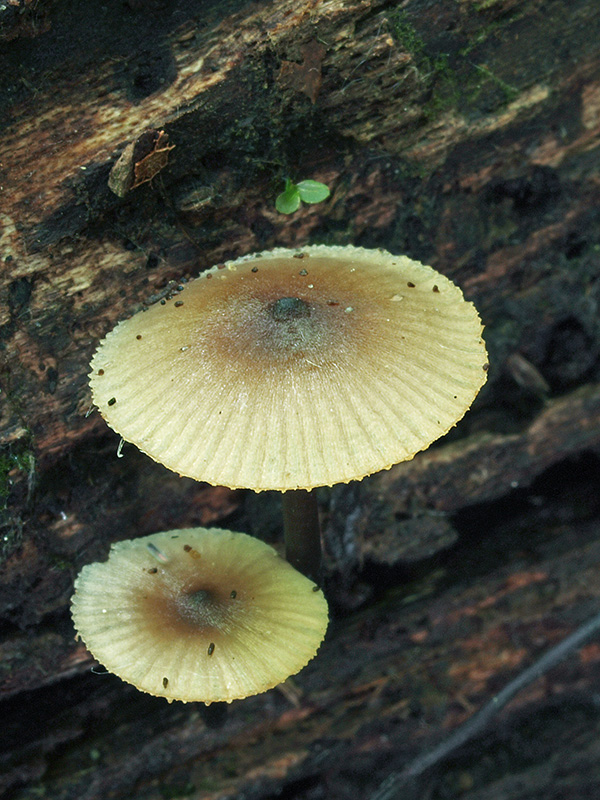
(405, 784)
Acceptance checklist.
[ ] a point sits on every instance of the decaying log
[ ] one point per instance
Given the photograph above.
(465, 134)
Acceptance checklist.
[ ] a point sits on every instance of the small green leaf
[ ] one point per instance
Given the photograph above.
(289, 200)
(312, 191)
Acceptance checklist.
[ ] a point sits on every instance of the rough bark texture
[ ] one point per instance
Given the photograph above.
(464, 133)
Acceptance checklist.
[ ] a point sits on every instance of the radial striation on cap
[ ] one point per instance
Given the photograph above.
(198, 615)
(294, 369)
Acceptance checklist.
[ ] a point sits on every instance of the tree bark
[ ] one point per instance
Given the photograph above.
(144, 141)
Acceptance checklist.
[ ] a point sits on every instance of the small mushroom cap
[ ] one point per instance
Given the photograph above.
(294, 369)
(198, 615)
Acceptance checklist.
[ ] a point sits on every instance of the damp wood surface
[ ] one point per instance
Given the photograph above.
(464, 134)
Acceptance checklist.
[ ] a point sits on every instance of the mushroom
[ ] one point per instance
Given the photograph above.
(206, 615)
(292, 369)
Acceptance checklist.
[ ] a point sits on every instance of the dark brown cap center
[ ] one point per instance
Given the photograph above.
(288, 308)
(201, 609)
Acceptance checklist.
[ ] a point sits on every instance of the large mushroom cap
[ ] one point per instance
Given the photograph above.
(199, 614)
(294, 369)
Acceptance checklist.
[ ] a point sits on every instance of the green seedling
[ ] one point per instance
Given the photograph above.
(296, 193)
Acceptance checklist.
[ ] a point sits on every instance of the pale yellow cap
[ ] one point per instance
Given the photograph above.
(294, 369)
(198, 614)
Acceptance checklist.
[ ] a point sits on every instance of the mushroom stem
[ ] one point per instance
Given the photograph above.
(302, 532)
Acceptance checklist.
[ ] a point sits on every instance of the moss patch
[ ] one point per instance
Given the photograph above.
(451, 79)
(17, 475)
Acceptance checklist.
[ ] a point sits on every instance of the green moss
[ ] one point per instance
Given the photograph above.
(451, 81)
(208, 785)
(435, 70)
(405, 34)
(488, 78)
(12, 462)
(408, 39)
(446, 92)
(175, 790)
(17, 473)
(477, 38)
(482, 5)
